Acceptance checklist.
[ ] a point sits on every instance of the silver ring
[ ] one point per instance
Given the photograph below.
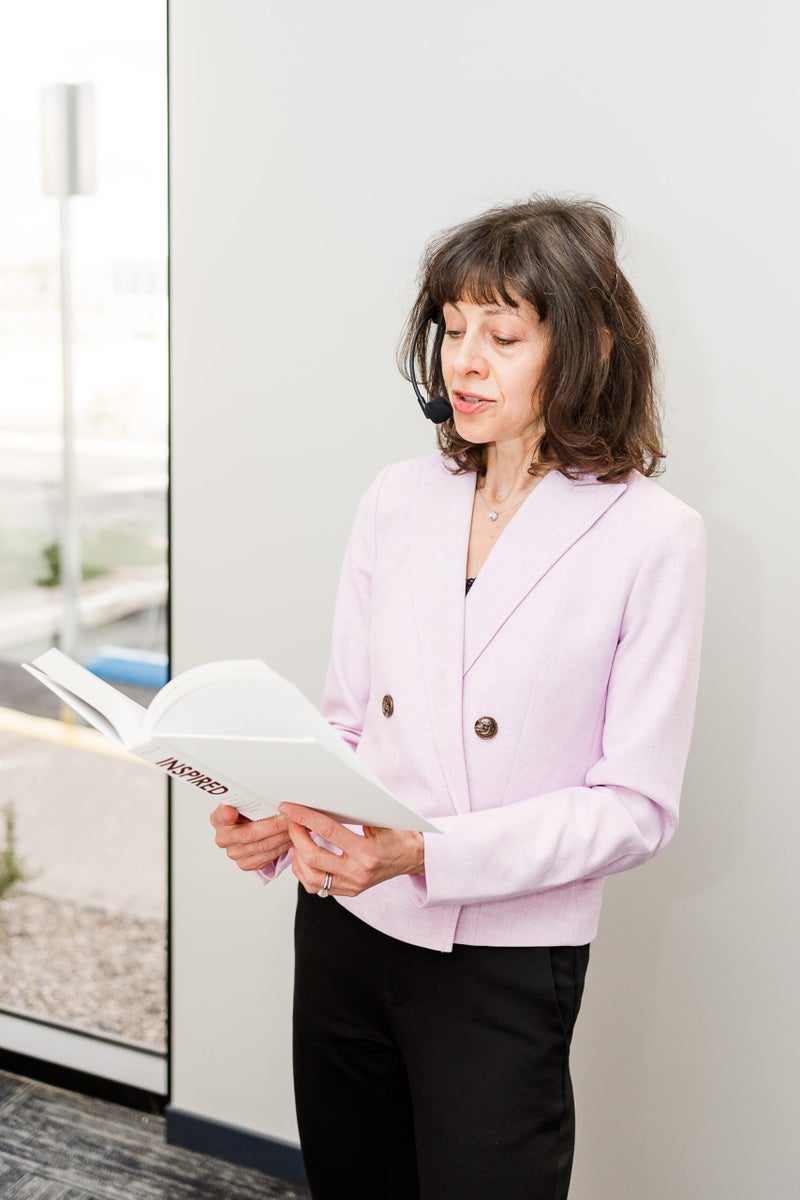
(326, 887)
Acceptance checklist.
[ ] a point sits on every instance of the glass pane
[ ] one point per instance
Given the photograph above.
(82, 931)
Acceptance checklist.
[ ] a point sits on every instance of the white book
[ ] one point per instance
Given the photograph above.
(239, 734)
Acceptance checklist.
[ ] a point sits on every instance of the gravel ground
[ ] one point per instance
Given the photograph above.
(101, 971)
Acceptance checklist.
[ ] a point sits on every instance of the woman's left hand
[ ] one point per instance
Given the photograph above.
(379, 855)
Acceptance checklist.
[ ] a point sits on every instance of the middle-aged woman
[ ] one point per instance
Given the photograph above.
(542, 721)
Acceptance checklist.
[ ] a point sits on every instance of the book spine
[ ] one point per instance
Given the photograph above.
(222, 789)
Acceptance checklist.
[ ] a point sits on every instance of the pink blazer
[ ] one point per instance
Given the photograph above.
(543, 722)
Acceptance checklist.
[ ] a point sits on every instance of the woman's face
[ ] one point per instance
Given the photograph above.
(492, 360)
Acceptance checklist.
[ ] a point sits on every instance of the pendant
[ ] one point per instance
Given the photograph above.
(493, 516)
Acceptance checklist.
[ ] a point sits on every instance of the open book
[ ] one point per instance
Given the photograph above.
(237, 732)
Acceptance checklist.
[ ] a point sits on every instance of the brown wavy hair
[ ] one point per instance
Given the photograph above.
(597, 396)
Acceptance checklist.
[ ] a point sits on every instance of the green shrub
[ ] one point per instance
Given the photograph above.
(11, 869)
(51, 553)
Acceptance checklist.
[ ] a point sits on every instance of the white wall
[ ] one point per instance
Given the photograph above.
(314, 148)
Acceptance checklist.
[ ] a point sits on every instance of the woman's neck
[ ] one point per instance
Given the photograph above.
(507, 470)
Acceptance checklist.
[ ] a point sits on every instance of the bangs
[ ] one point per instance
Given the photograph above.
(481, 271)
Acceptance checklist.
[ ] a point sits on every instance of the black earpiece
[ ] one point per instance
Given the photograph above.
(438, 409)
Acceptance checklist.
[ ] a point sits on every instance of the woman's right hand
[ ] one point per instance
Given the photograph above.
(252, 845)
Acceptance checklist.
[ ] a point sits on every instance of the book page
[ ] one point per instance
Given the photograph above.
(179, 696)
(109, 711)
(243, 699)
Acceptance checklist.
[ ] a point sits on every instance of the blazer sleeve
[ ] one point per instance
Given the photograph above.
(626, 810)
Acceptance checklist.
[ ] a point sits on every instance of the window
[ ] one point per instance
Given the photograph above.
(82, 932)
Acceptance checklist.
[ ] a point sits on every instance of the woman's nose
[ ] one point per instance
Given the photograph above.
(468, 358)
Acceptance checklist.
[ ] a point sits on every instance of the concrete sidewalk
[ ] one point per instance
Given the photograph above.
(91, 824)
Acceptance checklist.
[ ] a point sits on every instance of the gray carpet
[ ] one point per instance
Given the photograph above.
(58, 1145)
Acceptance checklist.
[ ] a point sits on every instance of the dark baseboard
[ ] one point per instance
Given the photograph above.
(80, 1081)
(279, 1159)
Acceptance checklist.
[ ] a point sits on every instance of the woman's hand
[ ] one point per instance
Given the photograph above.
(250, 844)
(379, 855)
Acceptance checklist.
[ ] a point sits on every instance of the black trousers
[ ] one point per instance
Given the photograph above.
(429, 1076)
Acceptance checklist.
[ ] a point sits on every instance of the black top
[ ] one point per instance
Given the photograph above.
(470, 583)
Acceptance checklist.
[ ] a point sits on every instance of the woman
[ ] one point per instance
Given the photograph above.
(542, 722)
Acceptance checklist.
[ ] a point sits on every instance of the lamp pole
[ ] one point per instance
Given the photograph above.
(67, 171)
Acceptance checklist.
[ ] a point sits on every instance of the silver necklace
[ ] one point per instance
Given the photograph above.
(494, 513)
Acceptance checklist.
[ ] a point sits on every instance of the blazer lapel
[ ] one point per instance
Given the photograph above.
(557, 513)
(442, 514)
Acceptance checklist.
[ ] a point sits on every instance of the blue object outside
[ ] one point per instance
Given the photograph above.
(118, 664)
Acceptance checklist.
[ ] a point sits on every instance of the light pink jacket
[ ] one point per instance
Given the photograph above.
(580, 637)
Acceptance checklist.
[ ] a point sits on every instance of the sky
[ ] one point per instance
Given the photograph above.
(120, 47)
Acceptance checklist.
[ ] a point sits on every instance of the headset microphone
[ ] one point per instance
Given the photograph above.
(439, 408)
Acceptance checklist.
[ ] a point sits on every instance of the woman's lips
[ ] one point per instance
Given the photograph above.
(467, 405)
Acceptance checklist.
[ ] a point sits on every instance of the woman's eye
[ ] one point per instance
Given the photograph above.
(453, 333)
(501, 341)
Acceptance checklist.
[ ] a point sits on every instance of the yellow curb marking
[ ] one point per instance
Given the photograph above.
(60, 733)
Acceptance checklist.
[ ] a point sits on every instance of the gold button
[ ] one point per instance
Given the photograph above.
(387, 706)
(486, 727)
